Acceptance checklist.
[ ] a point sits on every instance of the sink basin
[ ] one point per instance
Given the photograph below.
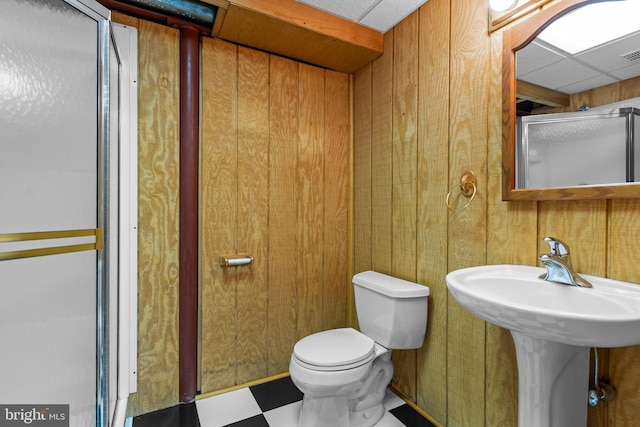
(553, 327)
(513, 297)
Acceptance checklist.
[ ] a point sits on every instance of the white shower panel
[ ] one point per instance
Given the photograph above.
(48, 117)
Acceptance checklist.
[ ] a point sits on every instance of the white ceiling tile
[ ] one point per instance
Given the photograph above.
(597, 81)
(607, 57)
(349, 9)
(560, 74)
(627, 73)
(535, 56)
(389, 12)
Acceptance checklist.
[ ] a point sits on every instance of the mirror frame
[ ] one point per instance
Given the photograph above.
(498, 20)
(513, 39)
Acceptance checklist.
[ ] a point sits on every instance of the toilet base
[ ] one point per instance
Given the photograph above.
(358, 407)
(331, 411)
(368, 417)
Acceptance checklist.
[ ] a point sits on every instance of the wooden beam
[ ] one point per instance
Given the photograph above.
(223, 4)
(541, 95)
(217, 23)
(295, 30)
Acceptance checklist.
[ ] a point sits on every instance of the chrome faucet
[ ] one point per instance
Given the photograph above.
(559, 267)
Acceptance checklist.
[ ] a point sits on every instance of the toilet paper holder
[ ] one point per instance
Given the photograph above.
(235, 260)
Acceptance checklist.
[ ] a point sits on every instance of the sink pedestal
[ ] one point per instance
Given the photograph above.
(553, 383)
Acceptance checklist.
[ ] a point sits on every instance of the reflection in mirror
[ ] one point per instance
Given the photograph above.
(590, 147)
(578, 52)
(572, 63)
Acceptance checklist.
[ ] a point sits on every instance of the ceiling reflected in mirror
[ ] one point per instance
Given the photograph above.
(582, 51)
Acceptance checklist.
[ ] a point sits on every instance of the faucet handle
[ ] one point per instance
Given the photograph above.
(556, 246)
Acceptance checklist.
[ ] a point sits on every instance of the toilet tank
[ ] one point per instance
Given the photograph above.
(391, 311)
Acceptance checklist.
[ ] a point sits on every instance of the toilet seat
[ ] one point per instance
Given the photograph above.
(334, 350)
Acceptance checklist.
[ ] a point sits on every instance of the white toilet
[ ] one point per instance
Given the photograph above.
(344, 373)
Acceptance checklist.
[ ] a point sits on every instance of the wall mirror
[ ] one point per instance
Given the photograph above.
(543, 76)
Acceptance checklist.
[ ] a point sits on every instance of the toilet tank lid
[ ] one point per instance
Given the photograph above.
(389, 285)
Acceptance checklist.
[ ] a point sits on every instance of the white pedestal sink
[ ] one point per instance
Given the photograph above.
(553, 327)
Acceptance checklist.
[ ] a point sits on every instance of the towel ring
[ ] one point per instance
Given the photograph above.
(468, 188)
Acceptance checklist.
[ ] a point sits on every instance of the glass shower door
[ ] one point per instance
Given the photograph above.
(51, 204)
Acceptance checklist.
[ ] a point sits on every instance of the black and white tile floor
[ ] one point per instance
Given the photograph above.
(272, 404)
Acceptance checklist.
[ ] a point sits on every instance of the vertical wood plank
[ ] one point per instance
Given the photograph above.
(433, 155)
(404, 150)
(283, 195)
(362, 232)
(404, 177)
(511, 239)
(381, 160)
(158, 193)
(218, 205)
(310, 199)
(469, 58)
(336, 200)
(253, 220)
(598, 416)
(158, 223)
(630, 88)
(624, 371)
(512, 236)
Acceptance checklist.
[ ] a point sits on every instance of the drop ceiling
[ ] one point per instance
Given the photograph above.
(546, 65)
(593, 46)
(380, 15)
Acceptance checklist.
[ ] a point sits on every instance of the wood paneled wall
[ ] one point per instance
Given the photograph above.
(275, 169)
(275, 179)
(417, 127)
(607, 94)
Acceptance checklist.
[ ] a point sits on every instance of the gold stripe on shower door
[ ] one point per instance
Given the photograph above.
(51, 250)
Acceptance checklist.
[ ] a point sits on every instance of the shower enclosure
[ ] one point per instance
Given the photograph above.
(67, 213)
(581, 148)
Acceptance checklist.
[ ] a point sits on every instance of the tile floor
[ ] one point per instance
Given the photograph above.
(272, 404)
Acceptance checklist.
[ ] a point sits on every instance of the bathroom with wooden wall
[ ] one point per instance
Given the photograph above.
(282, 141)
(433, 100)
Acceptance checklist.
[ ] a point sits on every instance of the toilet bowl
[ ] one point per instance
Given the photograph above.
(343, 373)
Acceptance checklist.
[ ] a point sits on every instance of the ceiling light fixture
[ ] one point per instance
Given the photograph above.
(502, 5)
